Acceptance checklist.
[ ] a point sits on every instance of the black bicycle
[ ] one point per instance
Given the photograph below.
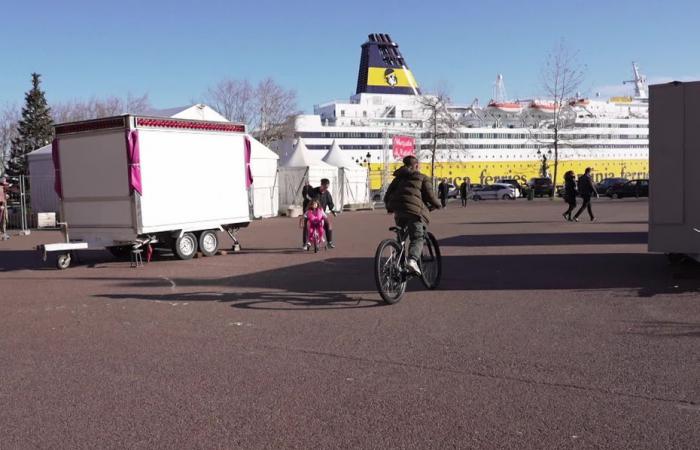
(390, 272)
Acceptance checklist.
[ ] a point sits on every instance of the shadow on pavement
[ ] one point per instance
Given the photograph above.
(346, 282)
(508, 240)
(665, 329)
(11, 260)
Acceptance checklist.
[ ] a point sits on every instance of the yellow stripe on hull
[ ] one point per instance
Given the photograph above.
(493, 171)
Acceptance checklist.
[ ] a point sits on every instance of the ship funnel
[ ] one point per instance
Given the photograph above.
(383, 69)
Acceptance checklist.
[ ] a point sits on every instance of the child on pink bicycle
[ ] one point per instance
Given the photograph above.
(315, 219)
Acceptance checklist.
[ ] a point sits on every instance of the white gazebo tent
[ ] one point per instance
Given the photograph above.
(352, 178)
(265, 189)
(41, 181)
(300, 166)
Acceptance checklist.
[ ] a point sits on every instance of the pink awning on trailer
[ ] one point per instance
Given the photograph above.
(248, 172)
(56, 169)
(134, 161)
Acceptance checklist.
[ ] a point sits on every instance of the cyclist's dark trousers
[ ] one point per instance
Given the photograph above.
(464, 201)
(585, 205)
(328, 232)
(416, 234)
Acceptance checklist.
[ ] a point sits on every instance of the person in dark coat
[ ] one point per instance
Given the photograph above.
(443, 188)
(464, 191)
(306, 193)
(586, 189)
(409, 197)
(569, 193)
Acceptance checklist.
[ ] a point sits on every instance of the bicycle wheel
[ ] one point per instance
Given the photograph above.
(431, 262)
(388, 275)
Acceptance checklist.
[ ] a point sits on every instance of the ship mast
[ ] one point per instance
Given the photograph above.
(640, 82)
(499, 90)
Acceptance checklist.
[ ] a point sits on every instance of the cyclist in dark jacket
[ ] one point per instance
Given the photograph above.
(409, 197)
(569, 193)
(587, 189)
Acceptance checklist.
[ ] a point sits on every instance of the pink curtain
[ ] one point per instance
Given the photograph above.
(134, 161)
(248, 172)
(56, 169)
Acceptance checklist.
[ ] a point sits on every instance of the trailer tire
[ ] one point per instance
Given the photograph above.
(208, 242)
(63, 261)
(185, 247)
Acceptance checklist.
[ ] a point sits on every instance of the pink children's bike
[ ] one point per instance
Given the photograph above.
(316, 236)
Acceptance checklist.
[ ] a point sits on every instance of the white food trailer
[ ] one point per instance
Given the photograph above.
(130, 181)
(674, 163)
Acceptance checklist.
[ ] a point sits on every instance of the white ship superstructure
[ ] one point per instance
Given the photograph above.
(505, 139)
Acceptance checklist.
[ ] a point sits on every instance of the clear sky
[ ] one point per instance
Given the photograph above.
(174, 49)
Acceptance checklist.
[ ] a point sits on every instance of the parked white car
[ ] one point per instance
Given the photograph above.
(496, 191)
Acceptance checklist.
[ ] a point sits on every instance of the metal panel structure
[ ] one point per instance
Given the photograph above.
(674, 153)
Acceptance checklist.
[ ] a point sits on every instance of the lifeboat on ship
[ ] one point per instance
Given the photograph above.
(580, 102)
(543, 107)
(506, 107)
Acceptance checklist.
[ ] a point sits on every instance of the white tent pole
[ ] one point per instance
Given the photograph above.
(272, 192)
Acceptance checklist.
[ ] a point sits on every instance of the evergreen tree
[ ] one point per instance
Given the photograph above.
(35, 128)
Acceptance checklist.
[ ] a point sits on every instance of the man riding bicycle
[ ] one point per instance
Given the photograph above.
(409, 197)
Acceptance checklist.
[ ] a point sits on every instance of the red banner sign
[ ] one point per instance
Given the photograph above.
(403, 146)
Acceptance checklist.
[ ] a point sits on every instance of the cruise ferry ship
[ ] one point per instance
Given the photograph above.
(505, 139)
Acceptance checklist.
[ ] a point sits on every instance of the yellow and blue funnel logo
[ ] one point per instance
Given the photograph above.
(383, 69)
(390, 77)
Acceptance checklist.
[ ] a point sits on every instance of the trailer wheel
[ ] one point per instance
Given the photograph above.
(208, 242)
(63, 261)
(185, 246)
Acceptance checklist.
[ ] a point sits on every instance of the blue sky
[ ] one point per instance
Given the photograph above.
(173, 50)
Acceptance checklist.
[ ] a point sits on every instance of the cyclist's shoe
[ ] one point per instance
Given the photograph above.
(412, 266)
(306, 247)
(331, 245)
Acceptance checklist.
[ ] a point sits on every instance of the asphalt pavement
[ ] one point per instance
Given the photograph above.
(543, 334)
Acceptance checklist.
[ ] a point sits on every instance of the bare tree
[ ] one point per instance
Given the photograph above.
(233, 99)
(265, 108)
(439, 122)
(99, 107)
(274, 105)
(562, 75)
(9, 117)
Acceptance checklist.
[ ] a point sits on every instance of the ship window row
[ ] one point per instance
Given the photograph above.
(362, 135)
(482, 146)
(610, 125)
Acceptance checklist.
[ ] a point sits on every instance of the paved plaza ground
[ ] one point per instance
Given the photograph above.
(544, 334)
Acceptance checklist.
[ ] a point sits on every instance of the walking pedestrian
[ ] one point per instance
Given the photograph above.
(442, 192)
(463, 191)
(569, 193)
(4, 187)
(586, 189)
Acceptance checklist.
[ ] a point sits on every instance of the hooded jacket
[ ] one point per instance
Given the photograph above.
(409, 192)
